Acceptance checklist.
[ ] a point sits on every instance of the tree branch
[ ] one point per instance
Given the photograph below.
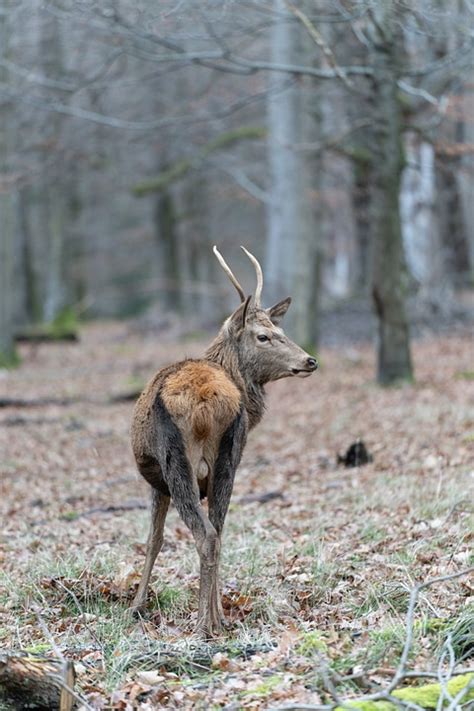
(321, 43)
(181, 168)
(447, 686)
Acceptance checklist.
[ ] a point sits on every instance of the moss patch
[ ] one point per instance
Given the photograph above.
(9, 360)
(183, 167)
(426, 696)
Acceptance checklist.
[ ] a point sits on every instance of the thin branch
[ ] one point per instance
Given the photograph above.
(301, 70)
(418, 91)
(443, 678)
(398, 676)
(114, 122)
(321, 43)
(439, 64)
(400, 672)
(455, 703)
(244, 182)
(82, 613)
(331, 143)
(35, 78)
(182, 167)
(60, 656)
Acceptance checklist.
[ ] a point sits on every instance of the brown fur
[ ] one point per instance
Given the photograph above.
(201, 398)
(205, 394)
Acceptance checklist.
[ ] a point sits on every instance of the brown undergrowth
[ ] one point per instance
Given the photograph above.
(324, 568)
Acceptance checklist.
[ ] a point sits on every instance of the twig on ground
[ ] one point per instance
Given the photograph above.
(455, 703)
(82, 613)
(60, 656)
(113, 508)
(401, 671)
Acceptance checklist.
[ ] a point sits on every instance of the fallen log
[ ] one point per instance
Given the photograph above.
(128, 396)
(260, 498)
(40, 402)
(30, 681)
(112, 508)
(45, 337)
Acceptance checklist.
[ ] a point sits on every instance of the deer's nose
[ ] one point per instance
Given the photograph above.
(312, 363)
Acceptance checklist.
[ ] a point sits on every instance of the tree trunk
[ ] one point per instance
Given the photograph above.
(417, 203)
(291, 239)
(389, 271)
(361, 196)
(168, 266)
(46, 202)
(32, 682)
(7, 212)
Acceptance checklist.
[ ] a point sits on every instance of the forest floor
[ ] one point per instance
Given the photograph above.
(318, 559)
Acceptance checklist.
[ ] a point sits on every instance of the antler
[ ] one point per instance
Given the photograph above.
(258, 269)
(229, 273)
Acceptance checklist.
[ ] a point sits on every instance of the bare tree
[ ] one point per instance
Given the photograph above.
(291, 245)
(389, 273)
(181, 91)
(7, 205)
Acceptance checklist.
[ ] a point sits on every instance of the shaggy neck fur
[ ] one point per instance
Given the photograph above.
(226, 354)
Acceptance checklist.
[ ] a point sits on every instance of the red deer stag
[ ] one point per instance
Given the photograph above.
(190, 426)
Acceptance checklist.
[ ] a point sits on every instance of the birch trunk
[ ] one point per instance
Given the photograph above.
(417, 205)
(291, 245)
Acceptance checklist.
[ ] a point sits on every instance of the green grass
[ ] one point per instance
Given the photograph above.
(384, 646)
(64, 325)
(460, 632)
(371, 533)
(465, 375)
(172, 600)
(312, 644)
(9, 360)
(265, 688)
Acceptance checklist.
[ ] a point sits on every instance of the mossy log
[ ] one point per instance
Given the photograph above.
(41, 336)
(426, 696)
(29, 681)
(182, 167)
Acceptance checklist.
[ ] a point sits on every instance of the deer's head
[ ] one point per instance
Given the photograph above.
(265, 353)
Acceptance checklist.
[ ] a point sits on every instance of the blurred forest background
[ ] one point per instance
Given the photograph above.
(333, 139)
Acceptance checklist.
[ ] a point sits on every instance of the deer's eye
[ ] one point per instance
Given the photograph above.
(262, 338)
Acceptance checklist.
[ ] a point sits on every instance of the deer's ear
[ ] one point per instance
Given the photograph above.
(239, 317)
(276, 313)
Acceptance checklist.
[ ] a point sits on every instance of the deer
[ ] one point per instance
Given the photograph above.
(190, 426)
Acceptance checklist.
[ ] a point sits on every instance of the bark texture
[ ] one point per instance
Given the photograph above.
(389, 270)
(7, 212)
(32, 682)
(291, 238)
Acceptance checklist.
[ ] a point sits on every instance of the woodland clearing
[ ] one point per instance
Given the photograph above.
(318, 559)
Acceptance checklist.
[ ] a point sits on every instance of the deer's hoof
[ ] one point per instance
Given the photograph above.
(225, 624)
(137, 610)
(207, 630)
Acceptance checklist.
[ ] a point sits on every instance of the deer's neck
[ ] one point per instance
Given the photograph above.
(227, 356)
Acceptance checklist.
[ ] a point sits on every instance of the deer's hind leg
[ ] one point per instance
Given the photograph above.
(219, 493)
(159, 509)
(186, 498)
(182, 484)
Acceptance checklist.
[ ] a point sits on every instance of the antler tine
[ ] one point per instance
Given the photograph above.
(258, 269)
(229, 273)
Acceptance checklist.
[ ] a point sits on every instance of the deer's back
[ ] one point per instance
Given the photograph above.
(202, 401)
